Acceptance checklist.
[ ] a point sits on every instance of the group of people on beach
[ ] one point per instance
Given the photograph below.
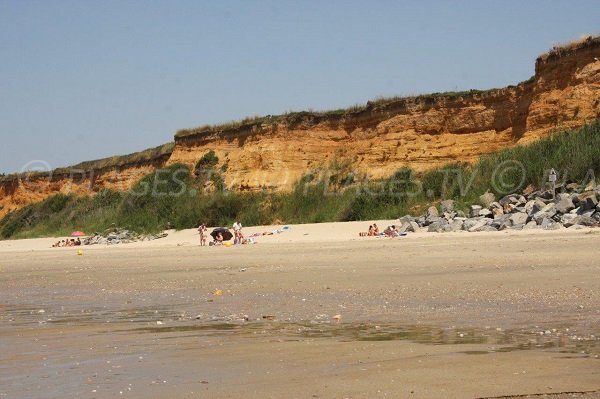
(218, 238)
(390, 231)
(67, 243)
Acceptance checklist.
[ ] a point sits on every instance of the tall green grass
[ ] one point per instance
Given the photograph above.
(173, 196)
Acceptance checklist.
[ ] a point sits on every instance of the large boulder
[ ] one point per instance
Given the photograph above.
(519, 218)
(409, 226)
(474, 212)
(537, 206)
(531, 225)
(432, 212)
(568, 219)
(431, 219)
(447, 206)
(565, 205)
(497, 212)
(502, 222)
(546, 195)
(456, 225)
(486, 213)
(549, 209)
(549, 224)
(509, 199)
(585, 221)
(479, 225)
(438, 226)
(587, 201)
(487, 199)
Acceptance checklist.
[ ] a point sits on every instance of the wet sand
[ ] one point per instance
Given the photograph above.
(424, 316)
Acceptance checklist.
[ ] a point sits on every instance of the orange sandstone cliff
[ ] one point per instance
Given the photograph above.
(419, 132)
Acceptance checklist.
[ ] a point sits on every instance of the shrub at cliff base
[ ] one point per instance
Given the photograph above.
(173, 197)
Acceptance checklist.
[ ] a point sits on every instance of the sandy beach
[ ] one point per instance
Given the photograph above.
(313, 312)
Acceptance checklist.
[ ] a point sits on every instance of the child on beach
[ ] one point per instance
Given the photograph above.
(202, 231)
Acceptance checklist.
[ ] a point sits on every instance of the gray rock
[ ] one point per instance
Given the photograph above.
(538, 205)
(478, 226)
(575, 227)
(449, 215)
(531, 225)
(519, 218)
(460, 214)
(509, 199)
(585, 221)
(474, 212)
(420, 221)
(548, 224)
(497, 212)
(572, 187)
(564, 205)
(486, 213)
(549, 209)
(588, 201)
(495, 205)
(589, 213)
(432, 212)
(438, 226)
(468, 223)
(567, 220)
(456, 225)
(447, 206)
(411, 227)
(546, 195)
(519, 226)
(487, 199)
(502, 222)
(431, 219)
(529, 206)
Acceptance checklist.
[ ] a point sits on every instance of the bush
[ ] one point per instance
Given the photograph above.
(206, 163)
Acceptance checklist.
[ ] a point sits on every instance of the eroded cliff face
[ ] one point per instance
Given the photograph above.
(421, 133)
(18, 192)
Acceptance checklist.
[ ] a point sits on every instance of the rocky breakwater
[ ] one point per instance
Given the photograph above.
(120, 236)
(572, 207)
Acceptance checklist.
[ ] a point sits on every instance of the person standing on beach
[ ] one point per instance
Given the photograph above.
(237, 233)
(202, 231)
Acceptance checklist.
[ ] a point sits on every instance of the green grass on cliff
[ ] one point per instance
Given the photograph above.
(173, 196)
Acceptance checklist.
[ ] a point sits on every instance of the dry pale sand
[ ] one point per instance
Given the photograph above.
(314, 312)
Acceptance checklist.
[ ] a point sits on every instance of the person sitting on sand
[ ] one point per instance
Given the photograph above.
(369, 232)
(219, 239)
(78, 242)
(375, 229)
(391, 231)
(202, 230)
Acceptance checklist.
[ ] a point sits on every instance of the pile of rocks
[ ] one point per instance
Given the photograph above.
(573, 207)
(120, 236)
